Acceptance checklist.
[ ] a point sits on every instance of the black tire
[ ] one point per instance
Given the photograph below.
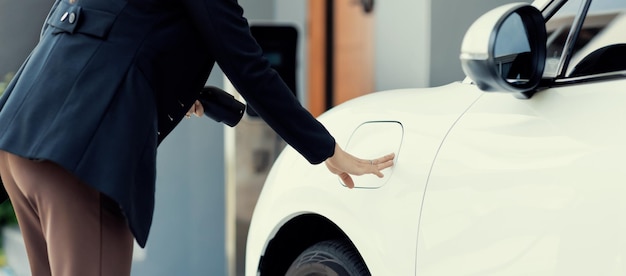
(329, 258)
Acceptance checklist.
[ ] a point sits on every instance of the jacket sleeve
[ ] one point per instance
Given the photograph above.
(227, 35)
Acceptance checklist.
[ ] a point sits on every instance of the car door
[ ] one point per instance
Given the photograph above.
(537, 186)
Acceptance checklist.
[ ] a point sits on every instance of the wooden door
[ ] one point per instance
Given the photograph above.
(341, 52)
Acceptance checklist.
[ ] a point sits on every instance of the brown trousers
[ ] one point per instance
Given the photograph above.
(68, 227)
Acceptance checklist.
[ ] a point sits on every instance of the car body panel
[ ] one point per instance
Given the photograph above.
(431, 113)
(522, 187)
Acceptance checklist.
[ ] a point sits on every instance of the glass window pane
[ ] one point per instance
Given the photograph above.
(603, 26)
(602, 30)
(558, 28)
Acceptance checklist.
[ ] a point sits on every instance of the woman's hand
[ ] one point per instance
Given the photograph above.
(343, 164)
(196, 109)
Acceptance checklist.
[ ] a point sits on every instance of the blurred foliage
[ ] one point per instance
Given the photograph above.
(7, 214)
(7, 218)
(4, 82)
(3, 258)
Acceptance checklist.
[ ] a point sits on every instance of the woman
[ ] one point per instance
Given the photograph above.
(109, 79)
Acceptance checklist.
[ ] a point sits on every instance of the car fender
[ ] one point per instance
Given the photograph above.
(295, 187)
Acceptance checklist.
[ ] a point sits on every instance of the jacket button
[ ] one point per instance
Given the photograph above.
(64, 16)
(72, 18)
(171, 118)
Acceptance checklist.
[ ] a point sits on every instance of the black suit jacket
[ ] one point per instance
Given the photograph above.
(110, 79)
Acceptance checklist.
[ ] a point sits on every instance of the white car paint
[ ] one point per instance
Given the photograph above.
(483, 183)
(313, 189)
(530, 187)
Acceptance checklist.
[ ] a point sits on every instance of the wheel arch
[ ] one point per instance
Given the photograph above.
(293, 238)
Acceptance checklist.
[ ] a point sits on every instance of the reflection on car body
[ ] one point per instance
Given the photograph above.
(526, 179)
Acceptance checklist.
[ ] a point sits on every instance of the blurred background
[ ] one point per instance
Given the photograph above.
(209, 175)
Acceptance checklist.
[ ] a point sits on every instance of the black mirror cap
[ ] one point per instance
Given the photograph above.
(478, 58)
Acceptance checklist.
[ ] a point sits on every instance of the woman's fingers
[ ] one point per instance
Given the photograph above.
(384, 162)
(196, 109)
(375, 166)
(343, 164)
(346, 179)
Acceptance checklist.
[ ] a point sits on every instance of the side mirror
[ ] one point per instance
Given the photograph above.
(505, 49)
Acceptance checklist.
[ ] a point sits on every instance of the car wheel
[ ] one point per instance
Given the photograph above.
(334, 257)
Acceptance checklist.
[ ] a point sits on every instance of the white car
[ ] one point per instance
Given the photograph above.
(520, 169)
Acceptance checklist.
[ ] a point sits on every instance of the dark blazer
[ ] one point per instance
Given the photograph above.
(110, 79)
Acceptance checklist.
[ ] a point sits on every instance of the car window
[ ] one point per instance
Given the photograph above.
(600, 44)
